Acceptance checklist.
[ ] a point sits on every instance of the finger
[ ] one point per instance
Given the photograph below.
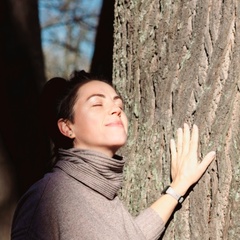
(186, 139)
(194, 139)
(173, 157)
(179, 141)
(206, 161)
(173, 148)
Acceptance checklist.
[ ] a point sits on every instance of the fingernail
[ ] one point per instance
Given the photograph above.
(213, 153)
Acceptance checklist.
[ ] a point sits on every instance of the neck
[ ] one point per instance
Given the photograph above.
(93, 168)
(106, 151)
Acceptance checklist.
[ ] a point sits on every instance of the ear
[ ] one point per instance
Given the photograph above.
(64, 128)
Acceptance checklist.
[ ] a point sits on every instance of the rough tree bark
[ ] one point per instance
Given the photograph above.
(176, 62)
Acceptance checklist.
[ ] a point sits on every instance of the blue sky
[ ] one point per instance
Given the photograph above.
(80, 7)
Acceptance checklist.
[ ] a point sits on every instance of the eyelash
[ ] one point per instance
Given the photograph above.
(97, 105)
(121, 106)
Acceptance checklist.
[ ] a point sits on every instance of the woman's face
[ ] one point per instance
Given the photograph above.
(99, 120)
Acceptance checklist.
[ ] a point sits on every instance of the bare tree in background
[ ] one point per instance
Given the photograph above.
(68, 28)
(176, 62)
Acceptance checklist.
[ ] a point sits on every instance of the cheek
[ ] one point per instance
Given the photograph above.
(84, 122)
(85, 128)
(94, 123)
(90, 122)
(125, 122)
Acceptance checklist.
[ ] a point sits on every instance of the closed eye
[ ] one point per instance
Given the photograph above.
(121, 106)
(97, 105)
(119, 103)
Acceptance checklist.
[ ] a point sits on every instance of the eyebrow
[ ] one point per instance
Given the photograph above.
(103, 96)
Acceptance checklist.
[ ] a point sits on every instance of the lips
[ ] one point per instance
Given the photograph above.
(115, 124)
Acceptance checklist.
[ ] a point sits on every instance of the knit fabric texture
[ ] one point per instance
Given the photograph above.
(78, 200)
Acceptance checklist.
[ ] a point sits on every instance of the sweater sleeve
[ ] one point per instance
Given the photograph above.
(150, 224)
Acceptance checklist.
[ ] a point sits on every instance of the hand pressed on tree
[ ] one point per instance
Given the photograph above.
(186, 169)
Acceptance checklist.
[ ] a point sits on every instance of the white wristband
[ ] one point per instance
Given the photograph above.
(169, 190)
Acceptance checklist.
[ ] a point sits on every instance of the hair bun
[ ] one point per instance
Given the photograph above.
(81, 75)
(52, 93)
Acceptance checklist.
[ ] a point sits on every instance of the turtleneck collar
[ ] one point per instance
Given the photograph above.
(96, 170)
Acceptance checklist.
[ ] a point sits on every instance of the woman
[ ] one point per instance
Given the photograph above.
(78, 198)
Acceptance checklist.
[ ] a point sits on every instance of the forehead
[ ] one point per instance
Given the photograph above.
(96, 86)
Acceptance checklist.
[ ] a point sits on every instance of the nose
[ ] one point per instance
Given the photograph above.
(116, 110)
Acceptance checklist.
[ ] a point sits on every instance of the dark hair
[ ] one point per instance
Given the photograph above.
(57, 101)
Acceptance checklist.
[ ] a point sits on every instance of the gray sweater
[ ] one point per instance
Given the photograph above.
(78, 200)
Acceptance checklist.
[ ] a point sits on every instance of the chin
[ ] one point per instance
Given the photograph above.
(121, 142)
(118, 145)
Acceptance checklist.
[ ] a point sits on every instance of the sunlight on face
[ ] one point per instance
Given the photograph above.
(99, 120)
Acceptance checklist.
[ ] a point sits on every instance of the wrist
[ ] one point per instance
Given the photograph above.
(171, 191)
(180, 187)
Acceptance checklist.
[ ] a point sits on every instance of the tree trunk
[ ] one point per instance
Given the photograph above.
(176, 62)
(23, 145)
